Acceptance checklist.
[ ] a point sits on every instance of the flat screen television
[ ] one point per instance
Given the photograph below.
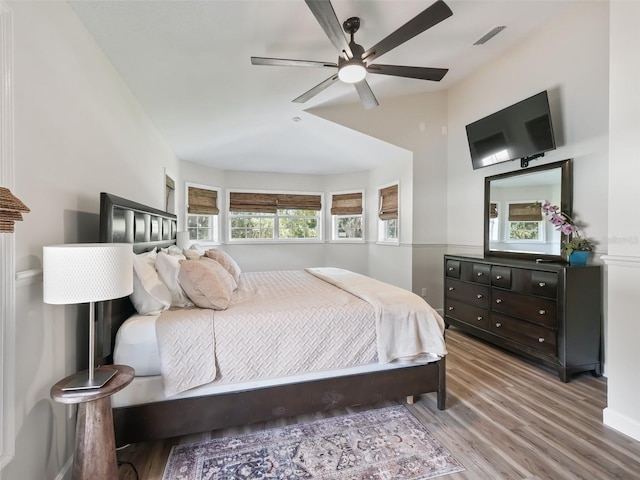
(522, 131)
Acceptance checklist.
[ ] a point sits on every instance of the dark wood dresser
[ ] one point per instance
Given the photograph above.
(547, 312)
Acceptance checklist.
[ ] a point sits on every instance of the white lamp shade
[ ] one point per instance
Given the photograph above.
(87, 272)
(182, 240)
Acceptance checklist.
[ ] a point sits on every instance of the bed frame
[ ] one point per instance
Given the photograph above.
(122, 220)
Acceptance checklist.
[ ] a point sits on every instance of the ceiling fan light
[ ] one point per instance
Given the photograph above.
(352, 72)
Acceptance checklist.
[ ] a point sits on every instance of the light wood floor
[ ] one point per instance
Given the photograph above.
(505, 419)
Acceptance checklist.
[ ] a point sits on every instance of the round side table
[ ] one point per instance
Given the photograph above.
(95, 451)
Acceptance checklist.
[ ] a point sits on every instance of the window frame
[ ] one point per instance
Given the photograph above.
(336, 218)
(383, 224)
(214, 219)
(319, 216)
(507, 226)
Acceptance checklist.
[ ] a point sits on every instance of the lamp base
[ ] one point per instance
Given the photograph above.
(81, 381)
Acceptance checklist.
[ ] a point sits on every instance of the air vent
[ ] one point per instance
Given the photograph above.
(489, 35)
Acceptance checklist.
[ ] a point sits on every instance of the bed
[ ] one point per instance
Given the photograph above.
(229, 395)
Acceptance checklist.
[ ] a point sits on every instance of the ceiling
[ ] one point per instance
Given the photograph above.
(188, 64)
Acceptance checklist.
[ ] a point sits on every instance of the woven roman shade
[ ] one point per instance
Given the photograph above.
(203, 201)
(271, 202)
(525, 212)
(388, 203)
(346, 204)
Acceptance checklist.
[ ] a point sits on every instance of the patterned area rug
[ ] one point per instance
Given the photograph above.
(382, 444)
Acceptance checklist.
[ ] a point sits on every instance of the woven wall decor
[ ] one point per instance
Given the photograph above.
(11, 210)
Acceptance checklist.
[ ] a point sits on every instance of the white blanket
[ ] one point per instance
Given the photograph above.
(290, 322)
(406, 325)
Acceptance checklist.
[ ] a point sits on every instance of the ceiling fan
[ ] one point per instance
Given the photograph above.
(354, 62)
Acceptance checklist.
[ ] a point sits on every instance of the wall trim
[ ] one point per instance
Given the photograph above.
(629, 426)
(28, 277)
(621, 261)
(7, 245)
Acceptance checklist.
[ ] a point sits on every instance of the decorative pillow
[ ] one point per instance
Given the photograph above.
(150, 296)
(191, 254)
(226, 260)
(206, 283)
(168, 267)
(172, 250)
(197, 248)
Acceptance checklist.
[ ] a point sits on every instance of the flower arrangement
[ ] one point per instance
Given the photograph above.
(565, 224)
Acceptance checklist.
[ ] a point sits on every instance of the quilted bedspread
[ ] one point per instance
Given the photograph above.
(281, 323)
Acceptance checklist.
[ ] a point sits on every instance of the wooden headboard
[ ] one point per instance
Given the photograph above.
(125, 221)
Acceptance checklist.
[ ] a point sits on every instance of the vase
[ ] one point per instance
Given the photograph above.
(579, 257)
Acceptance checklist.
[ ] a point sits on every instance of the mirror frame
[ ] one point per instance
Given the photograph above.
(566, 200)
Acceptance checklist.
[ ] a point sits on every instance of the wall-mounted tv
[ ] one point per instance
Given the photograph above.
(522, 131)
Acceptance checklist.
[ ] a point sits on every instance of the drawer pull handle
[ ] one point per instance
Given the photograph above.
(541, 340)
(480, 295)
(542, 312)
(498, 325)
(451, 289)
(542, 284)
(498, 277)
(451, 269)
(450, 308)
(498, 300)
(479, 318)
(480, 274)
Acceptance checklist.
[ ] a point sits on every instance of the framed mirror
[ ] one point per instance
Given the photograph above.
(514, 225)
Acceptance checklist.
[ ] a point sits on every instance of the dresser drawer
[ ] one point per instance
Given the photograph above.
(452, 269)
(537, 310)
(481, 273)
(544, 284)
(501, 277)
(534, 336)
(476, 316)
(471, 293)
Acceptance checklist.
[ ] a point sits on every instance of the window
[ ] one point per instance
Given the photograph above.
(494, 222)
(259, 216)
(388, 223)
(202, 214)
(525, 222)
(347, 216)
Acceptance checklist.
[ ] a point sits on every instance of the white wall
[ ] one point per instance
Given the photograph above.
(569, 58)
(388, 263)
(416, 123)
(623, 261)
(78, 131)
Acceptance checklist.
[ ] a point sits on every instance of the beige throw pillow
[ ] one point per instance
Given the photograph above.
(226, 260)
(206, 283)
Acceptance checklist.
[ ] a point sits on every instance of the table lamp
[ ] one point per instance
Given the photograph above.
(87, 272)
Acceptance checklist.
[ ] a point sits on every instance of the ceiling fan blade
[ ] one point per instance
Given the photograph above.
(421, 73)
(367, 97)
(326, 17)
(284, 62)
(316, 90)
(423, 21)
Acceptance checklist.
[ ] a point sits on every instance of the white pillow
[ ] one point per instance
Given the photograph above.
(207, 283)
(150, 296)
(168, 267)
(172, 250)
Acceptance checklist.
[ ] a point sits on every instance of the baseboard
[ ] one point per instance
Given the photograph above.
(621, 423)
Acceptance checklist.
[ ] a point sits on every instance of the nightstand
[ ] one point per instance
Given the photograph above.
(95, 451)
